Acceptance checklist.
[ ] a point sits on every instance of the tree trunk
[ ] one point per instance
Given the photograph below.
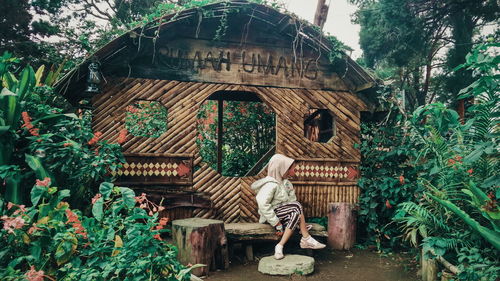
(341, 225)
(201, 241)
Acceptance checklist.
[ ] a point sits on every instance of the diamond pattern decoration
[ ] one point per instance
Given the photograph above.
(328, 170)
(153, 169)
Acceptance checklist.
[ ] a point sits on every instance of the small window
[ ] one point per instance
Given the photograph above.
(146, 119)
(319, 125)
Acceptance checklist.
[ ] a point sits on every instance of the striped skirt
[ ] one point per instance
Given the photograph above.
(289, 214)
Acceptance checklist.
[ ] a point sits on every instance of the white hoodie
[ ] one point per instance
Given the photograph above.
(271, 194)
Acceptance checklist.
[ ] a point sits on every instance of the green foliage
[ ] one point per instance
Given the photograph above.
(249, 132)
(388, 179)
(12, 99)
(459, 209)
(63, 143)
(146, 119)
(323, 221)
(120, 242)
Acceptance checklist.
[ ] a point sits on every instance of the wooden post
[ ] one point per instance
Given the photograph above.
(429, 267)
(220, 135)
(321, 13)
(341, 225)
(249, 252)
(201, 241)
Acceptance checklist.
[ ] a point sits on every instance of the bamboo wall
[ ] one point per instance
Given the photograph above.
(232, 198)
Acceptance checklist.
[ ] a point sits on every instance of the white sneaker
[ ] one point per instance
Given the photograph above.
(278, 252)
(311, 243)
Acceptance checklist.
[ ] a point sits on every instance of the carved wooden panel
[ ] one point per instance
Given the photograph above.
(325, 171)
(155, 169)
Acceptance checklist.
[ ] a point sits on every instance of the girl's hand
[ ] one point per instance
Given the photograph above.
(279, 227)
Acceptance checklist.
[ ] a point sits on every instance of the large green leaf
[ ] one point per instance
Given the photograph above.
(4, 129)
(97, 209)
(128, 197)
(26, 82)
(36, 194)
(105, 189)
(36, 165)
(9, 104)
(489, 235)
(13, 191)
(65, 249)
(53, 116)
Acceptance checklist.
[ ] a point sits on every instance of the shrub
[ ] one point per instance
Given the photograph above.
(120, 241)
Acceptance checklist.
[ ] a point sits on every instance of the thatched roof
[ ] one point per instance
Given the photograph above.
(202, 22)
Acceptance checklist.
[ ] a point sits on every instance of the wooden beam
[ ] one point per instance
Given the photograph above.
(220, 135)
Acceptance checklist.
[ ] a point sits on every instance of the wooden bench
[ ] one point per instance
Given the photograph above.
(249, 233)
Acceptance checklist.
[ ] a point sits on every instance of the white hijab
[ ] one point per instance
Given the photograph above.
(278, 166)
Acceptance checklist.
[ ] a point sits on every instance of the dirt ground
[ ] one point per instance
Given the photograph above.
(354, 265)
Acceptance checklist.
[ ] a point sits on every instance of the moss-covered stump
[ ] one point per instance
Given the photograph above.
(291, 264)
(201, 241)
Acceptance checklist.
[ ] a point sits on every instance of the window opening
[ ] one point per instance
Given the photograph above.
(319, 125)
(246, 127)
(146, 119)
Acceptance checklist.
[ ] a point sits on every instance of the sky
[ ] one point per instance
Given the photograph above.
(338, 21)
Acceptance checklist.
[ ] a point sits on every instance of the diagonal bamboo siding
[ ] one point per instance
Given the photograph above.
(232, 198)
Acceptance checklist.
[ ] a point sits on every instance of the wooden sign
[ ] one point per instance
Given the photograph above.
(248, 64)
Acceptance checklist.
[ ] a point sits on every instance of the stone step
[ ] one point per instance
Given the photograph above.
(291, 264)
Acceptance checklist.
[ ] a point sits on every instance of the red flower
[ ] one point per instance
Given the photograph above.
(163, 221)
(455, 159)
(33, 275)
(45, 182)
(470, 172)
(96, 197)
(132, 109)
(388, 204)
(10, 223)
(27, 124)
(122, 137)
(157, 237)
(75, 222)
(401, 179)
(95, 139)
(243, 110)
(33, 229)
(491, 195)
(72, 217)
(141, 198)
(66, 144)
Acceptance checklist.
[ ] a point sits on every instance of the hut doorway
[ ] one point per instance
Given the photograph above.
(246, 128)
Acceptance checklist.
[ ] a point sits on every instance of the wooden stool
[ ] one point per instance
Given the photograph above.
(201, 241)
(341, 225)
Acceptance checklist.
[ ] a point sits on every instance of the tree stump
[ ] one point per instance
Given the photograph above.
(341, 225)
(429, 267)
(201, 241)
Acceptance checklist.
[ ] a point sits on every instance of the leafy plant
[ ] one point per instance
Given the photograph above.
(121, 241)
(458, 209)
(249, 132)
(146, 119)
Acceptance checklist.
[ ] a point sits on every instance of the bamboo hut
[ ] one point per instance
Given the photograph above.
(235, 50)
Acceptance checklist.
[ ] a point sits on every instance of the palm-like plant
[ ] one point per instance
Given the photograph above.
(461, 164)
